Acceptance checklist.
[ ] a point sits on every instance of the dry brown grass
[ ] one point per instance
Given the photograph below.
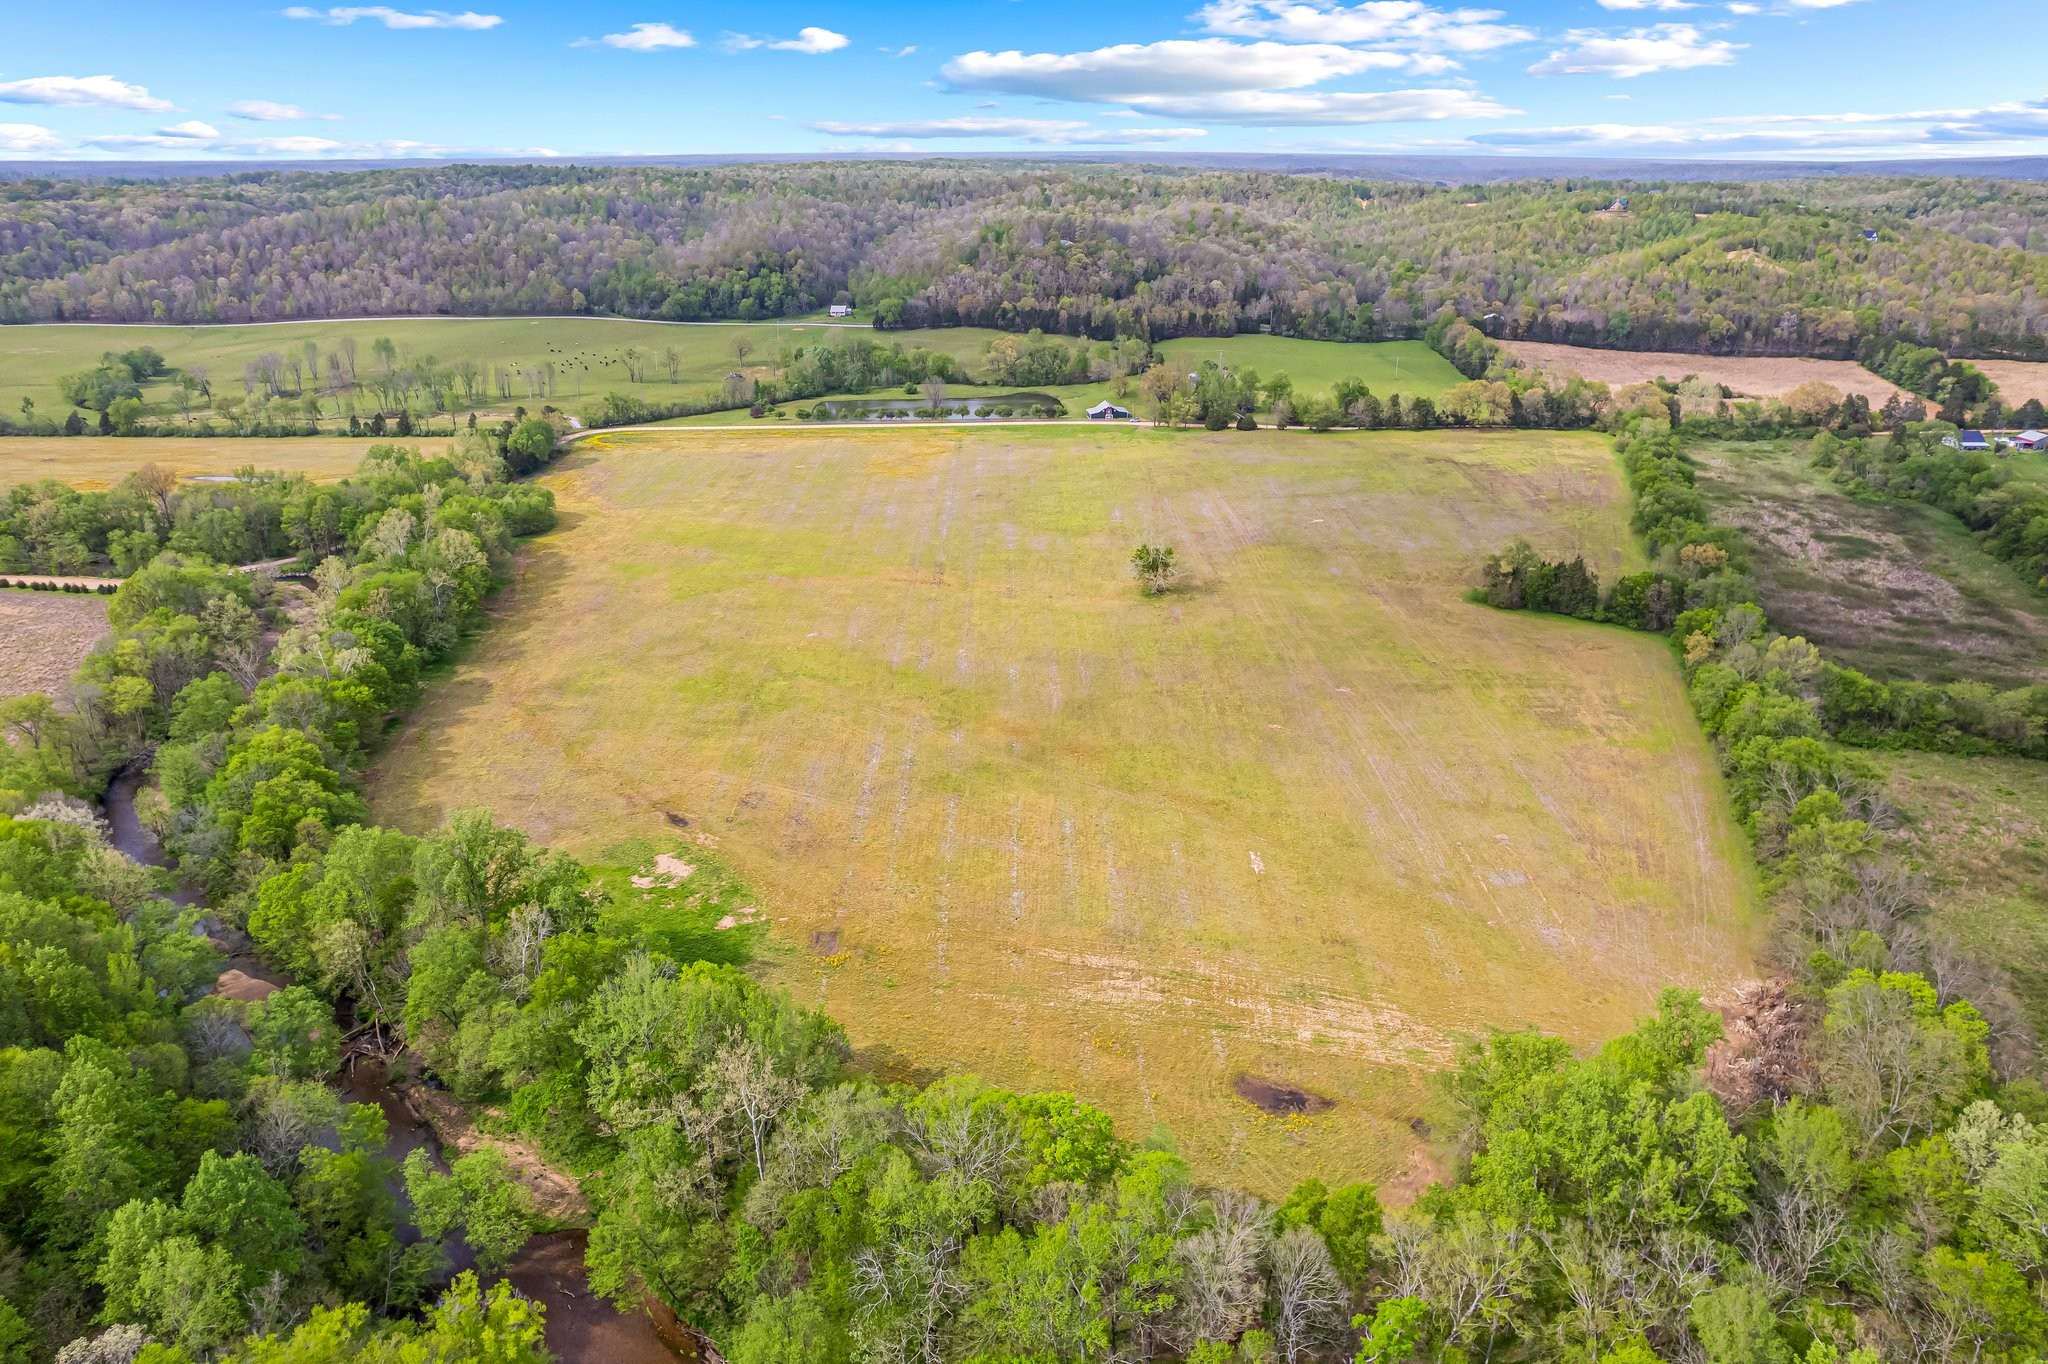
(43, 638)
(1897, 589)
(1311, 818)
(101, 461)
(1751, 376)
(2017, 380)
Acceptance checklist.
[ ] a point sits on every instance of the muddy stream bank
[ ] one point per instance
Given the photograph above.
(582, 1328)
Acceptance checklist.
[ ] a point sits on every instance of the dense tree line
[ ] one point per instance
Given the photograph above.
(1102, 252)
(1955, 386)
(175, 1165)
(51, 527)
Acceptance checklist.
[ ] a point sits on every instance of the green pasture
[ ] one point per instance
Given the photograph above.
(1307, 819)
(590, 358)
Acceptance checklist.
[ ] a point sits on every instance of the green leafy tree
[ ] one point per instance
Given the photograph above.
(1154, 568)
(1896, 1061)
(479, 1197)
(295, 1035)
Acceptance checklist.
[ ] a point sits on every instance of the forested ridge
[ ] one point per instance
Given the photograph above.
(1748, 268)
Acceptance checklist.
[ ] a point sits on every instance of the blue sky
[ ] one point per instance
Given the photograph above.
(1694, 78)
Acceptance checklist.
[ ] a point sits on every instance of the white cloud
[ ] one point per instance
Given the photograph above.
(1274, 108)
(1052, 131)
(27, 137)
(2020, 124)
(191, 145)
(1647, 4)
(1215, 80)
(897, 51)
(2017, 119)
(813, 40)
(1404, 24)
(1740, 7)
(76, 91)
(1640, 52)
(643, 38)
(190, 128)
(269, 111)
(395, 18)
(1133, 73)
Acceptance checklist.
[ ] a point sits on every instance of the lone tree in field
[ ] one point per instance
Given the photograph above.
(1153, 565)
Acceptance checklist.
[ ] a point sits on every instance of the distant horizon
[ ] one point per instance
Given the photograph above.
(1712, 80)
(1466, 168)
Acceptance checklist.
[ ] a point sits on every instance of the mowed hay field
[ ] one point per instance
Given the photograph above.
(101, 461)
(44, 636)
(1305, 821)
(1750, 376)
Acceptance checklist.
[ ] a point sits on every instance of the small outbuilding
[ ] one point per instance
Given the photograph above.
(842, 310)
(1971, 440)
(2030, 440)
(1870, 234)
(1109, 412)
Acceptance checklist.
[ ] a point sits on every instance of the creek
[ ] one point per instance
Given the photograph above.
(582, 1328)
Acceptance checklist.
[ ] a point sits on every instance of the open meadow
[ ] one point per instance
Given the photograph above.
(1897, 589)
(1977, 829)
(1245, 860)
(91, 462)
(44, 636)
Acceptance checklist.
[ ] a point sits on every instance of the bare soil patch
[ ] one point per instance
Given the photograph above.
(44, 636)
(1751, 376)
(1278, 1100)
(237, 984)
(556, 1196)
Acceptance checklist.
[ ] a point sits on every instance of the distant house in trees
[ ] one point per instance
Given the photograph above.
(842, 310)
(2030, 440)
(1971, 440)
(1870, 234)
(1108, 411)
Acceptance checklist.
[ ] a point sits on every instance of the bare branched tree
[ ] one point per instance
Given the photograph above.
(1309, 1298)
